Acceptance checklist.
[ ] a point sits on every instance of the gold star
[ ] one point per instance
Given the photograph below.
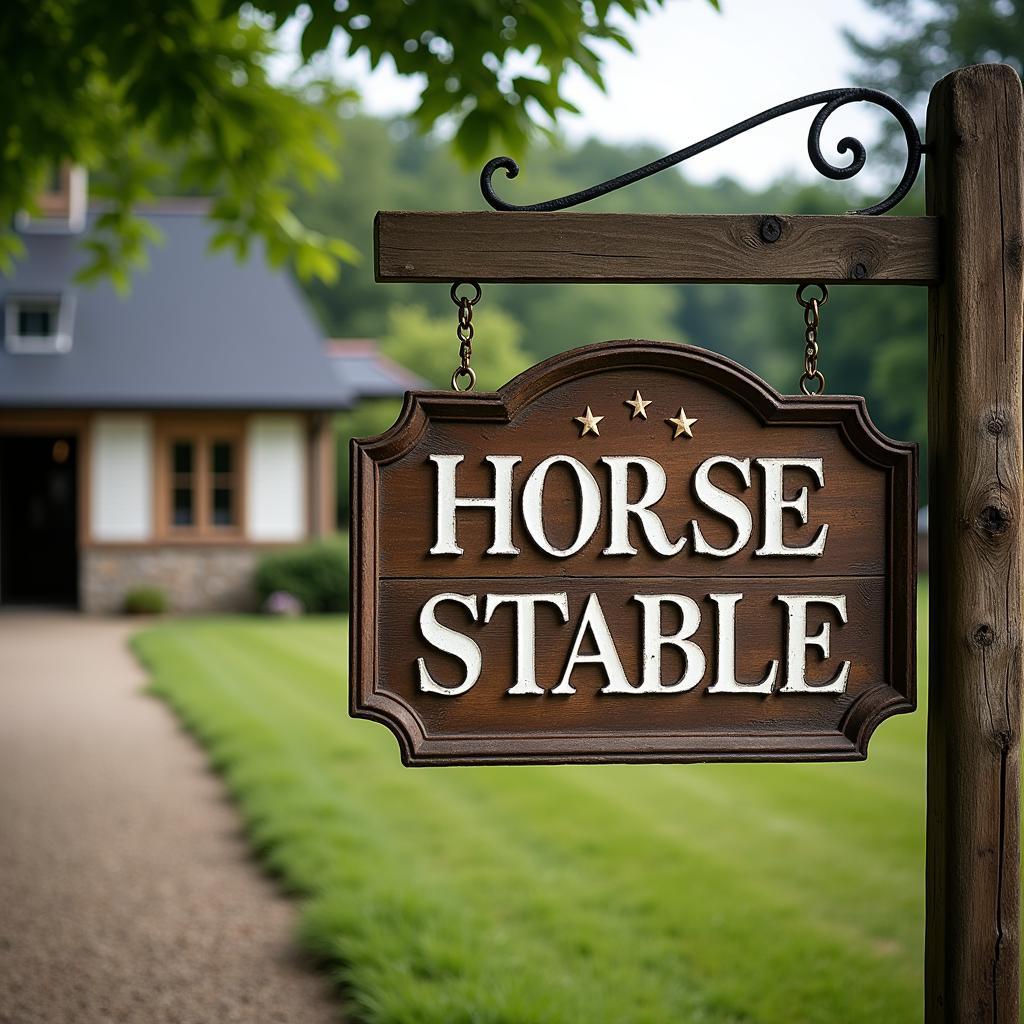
(682, 423)
(589, 423)
(639, 406)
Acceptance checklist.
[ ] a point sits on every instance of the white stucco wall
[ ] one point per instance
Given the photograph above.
(121, 478)
(276, 491)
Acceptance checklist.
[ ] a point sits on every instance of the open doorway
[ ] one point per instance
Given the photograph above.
(38, 520)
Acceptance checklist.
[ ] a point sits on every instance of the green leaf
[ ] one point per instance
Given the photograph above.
(316, 36)
(473, 135)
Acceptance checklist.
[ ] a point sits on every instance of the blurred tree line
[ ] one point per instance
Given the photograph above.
(873, 342)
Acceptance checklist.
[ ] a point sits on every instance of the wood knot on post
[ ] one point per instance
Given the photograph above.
(771, 229)
(994, 521)
(984, 635)
(859, 271)
(1013, 249)
(995, 426)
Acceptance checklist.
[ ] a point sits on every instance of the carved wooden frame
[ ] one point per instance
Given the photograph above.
(848, 416)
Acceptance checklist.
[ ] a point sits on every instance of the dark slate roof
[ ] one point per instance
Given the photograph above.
(198, 330)
(357, 362)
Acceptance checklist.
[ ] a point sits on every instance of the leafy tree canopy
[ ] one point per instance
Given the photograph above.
(116, 85)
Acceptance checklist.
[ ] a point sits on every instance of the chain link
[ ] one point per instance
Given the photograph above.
(464, 332)
(812, 320)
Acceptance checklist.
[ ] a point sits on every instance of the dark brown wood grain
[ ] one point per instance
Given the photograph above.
(868, 500)
(975, 179)
(667, 248)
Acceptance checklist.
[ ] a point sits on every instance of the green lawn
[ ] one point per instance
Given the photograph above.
(582, 895)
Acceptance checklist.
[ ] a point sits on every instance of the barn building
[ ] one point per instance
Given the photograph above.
(167, 436)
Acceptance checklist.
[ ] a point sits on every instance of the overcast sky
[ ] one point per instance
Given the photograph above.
(696, 71)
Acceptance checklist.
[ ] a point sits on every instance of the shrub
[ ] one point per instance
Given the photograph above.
(315, 574)
(145, 600)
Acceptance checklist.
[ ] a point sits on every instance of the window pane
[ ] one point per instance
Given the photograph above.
(36, 322)
(221, 456)
(182, 456)
(223, 512)
(182, 512)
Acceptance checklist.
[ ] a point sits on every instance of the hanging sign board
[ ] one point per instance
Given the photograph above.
(635, 551)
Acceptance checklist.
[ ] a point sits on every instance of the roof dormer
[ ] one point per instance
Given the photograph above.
(39, 324)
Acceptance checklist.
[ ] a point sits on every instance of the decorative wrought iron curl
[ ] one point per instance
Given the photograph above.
(830, 99)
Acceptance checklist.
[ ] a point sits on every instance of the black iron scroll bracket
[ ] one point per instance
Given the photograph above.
(830, 100)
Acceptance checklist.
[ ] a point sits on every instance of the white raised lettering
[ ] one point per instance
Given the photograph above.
(725, 504)
(798, 641)
(775, 504)
(606, 655)
(653, 642)
(533, 505)
(655, 482)
(725, 673)
(451, 642)
(448, 502)
(526, 633)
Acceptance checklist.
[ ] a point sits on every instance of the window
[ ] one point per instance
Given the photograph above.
(183, 490)
(38, 324)
(36, 321)
(199, 490)
(222, 483)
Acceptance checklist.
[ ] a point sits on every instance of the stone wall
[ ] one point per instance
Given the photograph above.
(195, 579)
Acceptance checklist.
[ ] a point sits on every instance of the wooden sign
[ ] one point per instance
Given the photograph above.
(635, 551)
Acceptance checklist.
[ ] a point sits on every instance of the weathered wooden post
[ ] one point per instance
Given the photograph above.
(975, 151)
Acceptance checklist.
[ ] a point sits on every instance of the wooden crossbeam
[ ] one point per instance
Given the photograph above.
(655, 248)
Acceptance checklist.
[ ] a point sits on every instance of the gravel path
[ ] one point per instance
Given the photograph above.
(126, 890)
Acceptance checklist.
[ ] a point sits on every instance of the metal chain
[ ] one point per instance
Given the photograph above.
(464, 332)
(812, 319)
